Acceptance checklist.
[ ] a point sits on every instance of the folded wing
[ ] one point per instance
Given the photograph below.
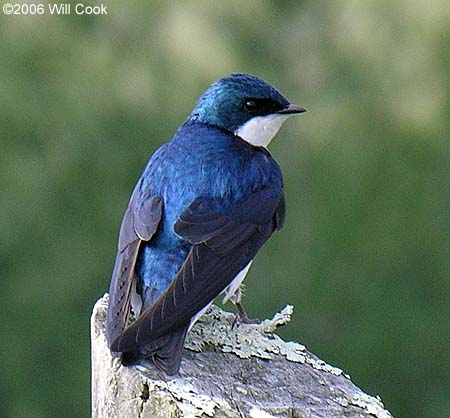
(139, 224)
(224, 242)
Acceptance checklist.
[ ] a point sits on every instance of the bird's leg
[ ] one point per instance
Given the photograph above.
(242, 317)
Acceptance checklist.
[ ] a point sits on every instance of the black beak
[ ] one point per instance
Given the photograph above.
(291, 109)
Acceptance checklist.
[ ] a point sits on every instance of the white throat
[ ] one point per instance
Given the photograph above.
(260, 130)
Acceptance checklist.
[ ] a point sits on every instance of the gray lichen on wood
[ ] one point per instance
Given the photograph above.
(243, 371)
(251, 340)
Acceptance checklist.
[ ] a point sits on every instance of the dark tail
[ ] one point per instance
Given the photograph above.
(165, 352)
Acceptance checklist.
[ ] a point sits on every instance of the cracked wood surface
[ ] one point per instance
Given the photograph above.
(245, 371)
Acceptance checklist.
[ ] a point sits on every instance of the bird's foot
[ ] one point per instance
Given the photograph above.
(242, 317)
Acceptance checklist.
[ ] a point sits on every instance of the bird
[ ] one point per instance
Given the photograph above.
(205, 204)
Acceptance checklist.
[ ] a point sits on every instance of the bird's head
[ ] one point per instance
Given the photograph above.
(245, 105)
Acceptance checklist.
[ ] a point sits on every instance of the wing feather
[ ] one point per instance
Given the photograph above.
(139, 223)
(222, 248)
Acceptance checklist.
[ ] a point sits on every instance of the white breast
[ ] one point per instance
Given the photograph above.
(260, 130)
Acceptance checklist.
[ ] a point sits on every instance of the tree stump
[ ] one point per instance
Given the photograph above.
(227, 372)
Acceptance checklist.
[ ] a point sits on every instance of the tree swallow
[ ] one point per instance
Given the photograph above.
(203, 207)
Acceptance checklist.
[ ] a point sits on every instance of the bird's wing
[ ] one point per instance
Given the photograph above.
(222, 246)
(139, 223)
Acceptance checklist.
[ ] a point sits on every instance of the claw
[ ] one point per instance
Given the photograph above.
(242, 317)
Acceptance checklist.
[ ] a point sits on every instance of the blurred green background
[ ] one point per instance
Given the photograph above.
(364, 256)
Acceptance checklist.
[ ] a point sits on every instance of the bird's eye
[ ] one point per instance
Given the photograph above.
(250, 106)
(259, 107)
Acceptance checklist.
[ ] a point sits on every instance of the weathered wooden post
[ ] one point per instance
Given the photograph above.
(245, 371)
